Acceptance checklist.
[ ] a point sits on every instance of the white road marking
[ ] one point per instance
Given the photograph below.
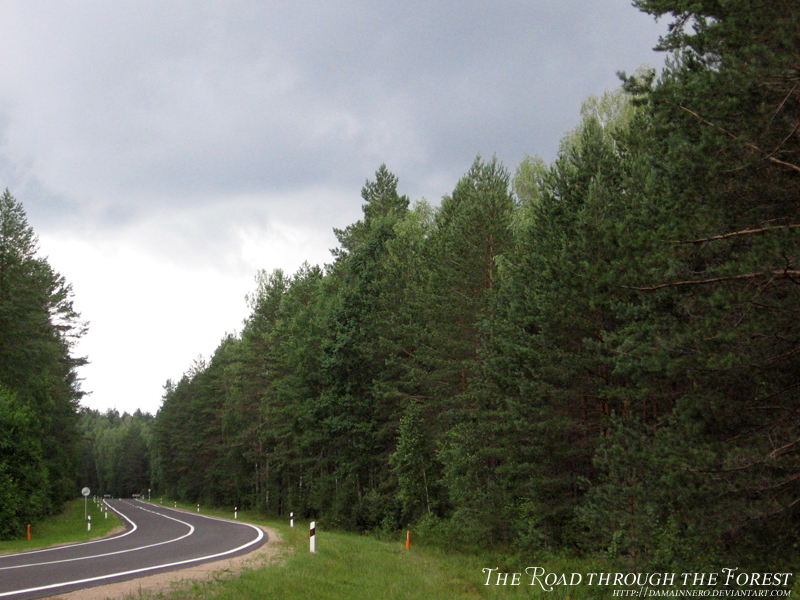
(144, 570)
(65, 560)
(55, 548)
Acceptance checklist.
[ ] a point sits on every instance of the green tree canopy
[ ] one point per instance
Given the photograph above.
(38, 378)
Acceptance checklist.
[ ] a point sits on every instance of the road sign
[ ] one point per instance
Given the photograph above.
(85, 491)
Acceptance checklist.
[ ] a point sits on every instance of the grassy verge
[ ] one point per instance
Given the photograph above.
(64, 528)
(358, 567)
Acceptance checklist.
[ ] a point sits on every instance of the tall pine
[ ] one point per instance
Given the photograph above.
(38, 379)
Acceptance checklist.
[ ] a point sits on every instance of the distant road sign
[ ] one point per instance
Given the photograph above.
(86, 491)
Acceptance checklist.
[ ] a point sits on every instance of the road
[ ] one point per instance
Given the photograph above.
(156, 539)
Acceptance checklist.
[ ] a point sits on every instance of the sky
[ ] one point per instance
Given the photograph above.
(165, 152)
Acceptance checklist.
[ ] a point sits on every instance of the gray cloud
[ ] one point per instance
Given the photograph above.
(165, 151)
(114, 111)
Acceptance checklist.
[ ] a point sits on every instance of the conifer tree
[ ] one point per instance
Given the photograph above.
(473, 230)
(38, 330)
(360, 418)
(717, 300)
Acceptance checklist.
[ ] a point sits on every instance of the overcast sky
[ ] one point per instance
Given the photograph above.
(165, 151)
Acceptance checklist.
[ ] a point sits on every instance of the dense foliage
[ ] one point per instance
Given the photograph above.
(115, 452)
(39, 390)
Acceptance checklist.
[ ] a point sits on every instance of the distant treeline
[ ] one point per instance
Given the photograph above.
(602, 354)
(115, 451)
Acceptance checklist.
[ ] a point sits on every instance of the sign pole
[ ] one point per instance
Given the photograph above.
(85, 491)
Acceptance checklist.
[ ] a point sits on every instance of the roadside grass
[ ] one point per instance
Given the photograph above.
(355, 567)
(64, 528)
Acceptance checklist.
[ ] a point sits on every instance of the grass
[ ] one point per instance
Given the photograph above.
(360, 567)
(66, 527)
(346, 566)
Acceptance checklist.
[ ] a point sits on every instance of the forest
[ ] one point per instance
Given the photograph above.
(599, 355)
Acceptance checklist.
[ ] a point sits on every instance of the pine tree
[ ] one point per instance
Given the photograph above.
(725, 114)
(549, 358)
(357, 414)
(38, 330)
(473, 231)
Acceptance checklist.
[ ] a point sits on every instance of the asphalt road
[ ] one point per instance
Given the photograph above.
(156, 539)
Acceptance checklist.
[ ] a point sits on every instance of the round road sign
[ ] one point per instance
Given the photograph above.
(86, 491)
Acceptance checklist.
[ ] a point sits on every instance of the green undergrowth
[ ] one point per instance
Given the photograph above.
(66, 527)
(354, 567)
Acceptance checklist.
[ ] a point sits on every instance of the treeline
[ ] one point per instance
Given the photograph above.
(39, 389)
(599, 354)
(115, 451)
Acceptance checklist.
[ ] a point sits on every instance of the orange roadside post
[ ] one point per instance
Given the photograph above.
(29, 533)
(408, 540)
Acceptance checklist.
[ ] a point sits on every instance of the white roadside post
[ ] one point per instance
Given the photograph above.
(313, 537)
(235, 513)
(291, 519)
(89, 524)
(198, 508)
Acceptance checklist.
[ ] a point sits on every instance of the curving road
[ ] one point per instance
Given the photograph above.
(156, 539)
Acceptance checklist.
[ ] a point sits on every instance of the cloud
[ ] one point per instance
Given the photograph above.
(152, 309)
(165, 151)
(114, 103)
